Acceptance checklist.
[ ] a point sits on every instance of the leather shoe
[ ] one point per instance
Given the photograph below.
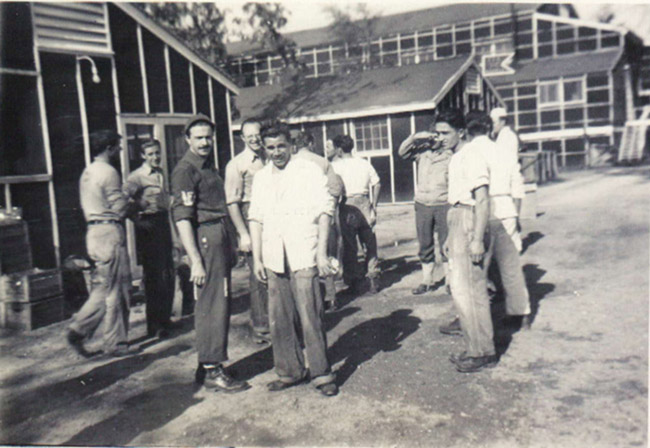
(262, 338)
(474, 364)
(199, 374)
(421, 289)
(278, 385)
(329, 389)
(76, 342)
(217, 378)
(452, 328)
(455, 358)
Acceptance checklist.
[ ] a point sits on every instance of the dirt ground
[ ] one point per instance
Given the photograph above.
(579, 377)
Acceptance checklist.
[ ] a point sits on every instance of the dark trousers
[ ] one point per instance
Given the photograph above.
(430, 219)
(154, 241)
(295, 298)
(212, 310)
(354, 216)
(258, 291)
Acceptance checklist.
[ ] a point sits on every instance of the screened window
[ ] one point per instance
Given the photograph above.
(549, 93)
(371, 135)
(573, 91)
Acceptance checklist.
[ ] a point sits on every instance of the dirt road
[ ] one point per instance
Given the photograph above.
(578, 378)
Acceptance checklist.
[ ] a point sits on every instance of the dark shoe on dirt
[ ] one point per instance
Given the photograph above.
(474, 364)
(199, 375)
(457, 357)
(452, 328)
(217, 378)
(122, 350)
(421, 289)
(278, 385)
(76, 341)
(262, 338)
(329, 389)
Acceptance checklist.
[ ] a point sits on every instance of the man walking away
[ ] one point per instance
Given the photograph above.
(200, 213)
(146, 188)
(469, 178)
(358, 214)
(104, 207)
(290, 215)
(239, 181)
(430, 199)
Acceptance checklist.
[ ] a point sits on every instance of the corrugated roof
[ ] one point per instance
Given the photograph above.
(398, 23)
(365, 93)
(562, 66)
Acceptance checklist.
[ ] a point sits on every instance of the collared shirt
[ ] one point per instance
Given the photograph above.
(433, 176)
(148, 183)
(100, 192)
(357, 174)
(508, 142)
(198, 190)
(240, 171)
(468, 170)
(288, 204)
(334, 181)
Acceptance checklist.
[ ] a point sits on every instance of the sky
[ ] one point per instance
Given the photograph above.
(308, 14)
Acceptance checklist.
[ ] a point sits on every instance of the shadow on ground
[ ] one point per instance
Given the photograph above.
(362, 342)
(393, 270)
(504, 330)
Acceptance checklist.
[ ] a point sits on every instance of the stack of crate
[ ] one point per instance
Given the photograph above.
(29, 298)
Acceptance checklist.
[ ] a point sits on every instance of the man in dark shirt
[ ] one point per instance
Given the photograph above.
(200, 212)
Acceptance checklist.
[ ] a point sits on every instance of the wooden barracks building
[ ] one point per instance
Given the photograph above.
(68, 69)
(566, 83)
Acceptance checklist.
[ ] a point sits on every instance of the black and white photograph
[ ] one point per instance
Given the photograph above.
(324, 223)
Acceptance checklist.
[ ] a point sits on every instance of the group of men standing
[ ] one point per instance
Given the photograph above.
(282, 222)
(469, 191)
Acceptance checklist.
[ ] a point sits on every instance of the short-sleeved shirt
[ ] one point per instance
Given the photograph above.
(508, 142)
(357, 174)
(468, 170)
(148, 183)
(334, 182)
(433, 167)
(100, 192)
(239, 175)
(198, 190)
(288, 203)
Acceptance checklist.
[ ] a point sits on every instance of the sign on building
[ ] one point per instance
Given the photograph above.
(497, 64)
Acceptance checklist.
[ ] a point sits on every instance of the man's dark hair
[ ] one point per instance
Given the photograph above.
(250, 120)
(303, 140)
(148, 144)
(453, 117)
(344, 142)
(102, 140)
(478, 123)
(275, 130)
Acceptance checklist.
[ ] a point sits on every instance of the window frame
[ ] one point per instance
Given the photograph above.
(561, 101)
(358, 123)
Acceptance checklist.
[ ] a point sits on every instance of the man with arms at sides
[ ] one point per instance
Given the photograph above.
(304, 147)
(200, 212)
(469, 178)
(358, 213)
(430, 199)
(290, 215)
(146, 188)
(506, 194)
(104, 207)
(239, 181)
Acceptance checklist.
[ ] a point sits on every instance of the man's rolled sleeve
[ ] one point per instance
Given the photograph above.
(234, 183)
(478, 172)
(184, 194)
(115, 198)
(374, 178)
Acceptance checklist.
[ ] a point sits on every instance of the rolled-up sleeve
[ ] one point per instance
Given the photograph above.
(374, 178)
(234, 183)
(115, 198)
(184, 193)
(478, 172)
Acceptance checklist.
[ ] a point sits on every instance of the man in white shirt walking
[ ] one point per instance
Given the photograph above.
(289, 221)
(358, 213)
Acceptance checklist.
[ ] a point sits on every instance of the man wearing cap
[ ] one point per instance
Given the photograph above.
(430, 199)
(506, 194)
(146, 188)
(240, 171)
(290, 215)
(104, 207)
(200, 213)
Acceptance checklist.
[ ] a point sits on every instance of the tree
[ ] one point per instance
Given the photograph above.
(357, 33)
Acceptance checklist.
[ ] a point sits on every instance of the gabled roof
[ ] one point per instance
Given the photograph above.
(570, 65)
(398, 23)
(178, 45)
(373, 92)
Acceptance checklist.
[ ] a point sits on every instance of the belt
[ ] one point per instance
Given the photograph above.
(211, 222)
(152, 215)
(104, 221)
(459, 205)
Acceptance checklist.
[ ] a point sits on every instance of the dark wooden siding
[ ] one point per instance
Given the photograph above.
(99, 98)
(201, 91)
(400, 130)
(316, 131)
(154, 57)
(221, 123)
(181, 88)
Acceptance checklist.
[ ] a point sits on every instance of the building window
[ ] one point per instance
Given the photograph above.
(549, 93)
(557, 92)
(371, 135)
(573, 91)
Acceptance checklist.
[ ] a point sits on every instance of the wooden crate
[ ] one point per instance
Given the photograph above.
(15, 251)
(30, 286)
(31, 315)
